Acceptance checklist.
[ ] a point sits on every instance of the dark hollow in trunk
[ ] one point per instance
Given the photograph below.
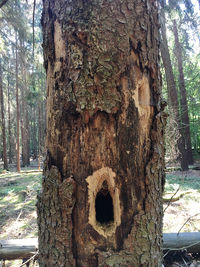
(104, 207)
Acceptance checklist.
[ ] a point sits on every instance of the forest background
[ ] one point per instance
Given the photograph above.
(23, 97)
(23, 92)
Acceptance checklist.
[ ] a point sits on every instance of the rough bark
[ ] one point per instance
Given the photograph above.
(104, 135)
(172, 92)
(183, 96)
(3, 126)
(17, 107)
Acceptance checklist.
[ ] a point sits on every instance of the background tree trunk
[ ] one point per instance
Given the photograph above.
(24, 112)
(17, 108)
(183, 96)
(39, 134)
(34, 131)
(172, 92)
(101, 203)
(9, 122)
(5, 161)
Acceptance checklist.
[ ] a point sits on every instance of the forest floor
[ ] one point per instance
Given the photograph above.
(182, 212)
(18, 195)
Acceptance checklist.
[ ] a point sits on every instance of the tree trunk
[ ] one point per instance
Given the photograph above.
(183, 96)
(101, 203)
(39, 133)
(24, 113)
(172, 91)
(34, 131)
(43, 119)
(9, 123)
(5, 161)
(17, 107)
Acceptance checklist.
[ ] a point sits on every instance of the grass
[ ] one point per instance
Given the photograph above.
(17, 204)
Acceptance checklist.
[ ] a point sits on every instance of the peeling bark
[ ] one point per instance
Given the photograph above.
(104, 135)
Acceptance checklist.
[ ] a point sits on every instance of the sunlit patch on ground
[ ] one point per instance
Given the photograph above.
(184, 214)
(18, 218)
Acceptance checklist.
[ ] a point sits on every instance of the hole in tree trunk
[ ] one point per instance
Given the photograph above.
(104, 205)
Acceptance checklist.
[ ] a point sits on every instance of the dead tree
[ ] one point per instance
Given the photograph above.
(101, 202)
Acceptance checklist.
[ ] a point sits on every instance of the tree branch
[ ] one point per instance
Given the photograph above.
(32, 258)
(187, 221)
(170, 200)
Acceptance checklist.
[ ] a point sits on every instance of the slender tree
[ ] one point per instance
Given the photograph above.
(183, 96)
(101, 203)
(39, 134)
(172, 91)
(17, 105)
(9, 119)
(24, 110)
(3, 126)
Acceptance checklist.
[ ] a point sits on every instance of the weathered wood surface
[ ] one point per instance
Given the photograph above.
(105, 125)
(25, 248)
(18, 248)
(189, 241)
